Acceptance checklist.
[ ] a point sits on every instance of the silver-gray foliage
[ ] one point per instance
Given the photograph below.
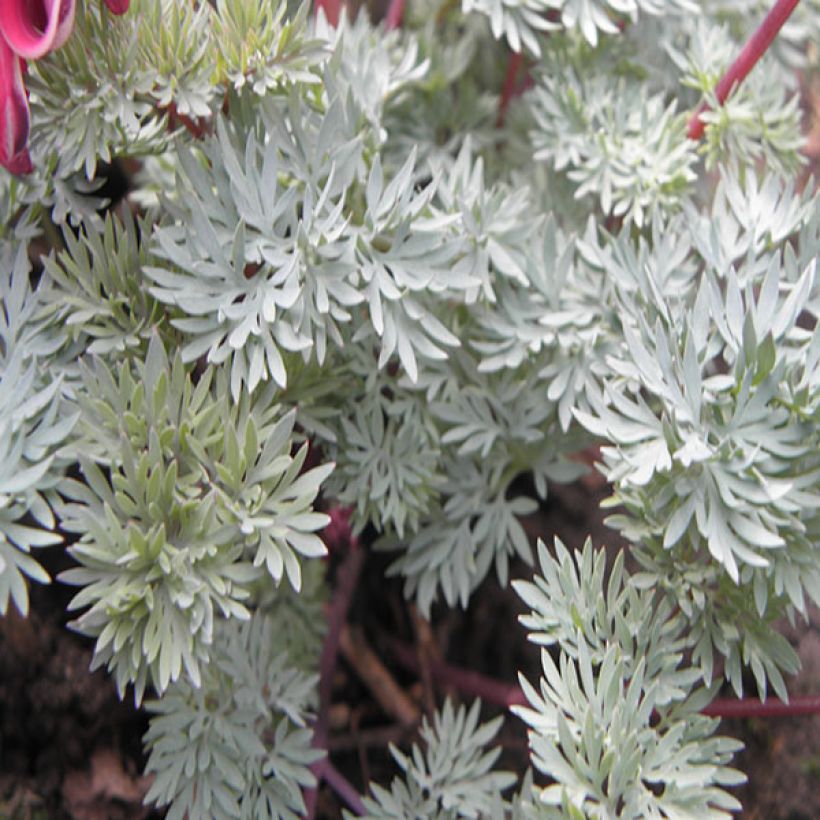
(359, 278)
(451, 776)
(616, 720)
(237, 745)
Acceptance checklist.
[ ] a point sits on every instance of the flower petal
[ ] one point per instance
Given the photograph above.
(117, 6)
(14, 116)
(32, 28)
(20, 164)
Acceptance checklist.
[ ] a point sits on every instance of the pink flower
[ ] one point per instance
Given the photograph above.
(29, 29)
(13, 113)
(117, 6)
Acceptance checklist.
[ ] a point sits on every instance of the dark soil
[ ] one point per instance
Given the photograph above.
(70, 749)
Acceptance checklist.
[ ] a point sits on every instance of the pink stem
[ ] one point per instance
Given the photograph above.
(754, 49)
(465, 680)
(475, 684)
(752, 707)
(508, 90)
(346, 578)
(395, 14)
(333, 10)
(342, 786)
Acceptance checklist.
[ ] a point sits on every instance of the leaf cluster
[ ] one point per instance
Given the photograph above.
(180, 510)
(35, 420)
(237, 744)
(450, 776)
(616, 720)
(362, 275)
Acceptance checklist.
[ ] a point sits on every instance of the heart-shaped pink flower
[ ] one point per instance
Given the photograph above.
(117, 6)
(29, 29)
(13, 113)
(32, 28)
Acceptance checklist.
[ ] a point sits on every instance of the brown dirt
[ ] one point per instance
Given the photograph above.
(782, 756)
(69, 749)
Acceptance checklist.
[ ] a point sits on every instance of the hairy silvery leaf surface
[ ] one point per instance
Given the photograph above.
(262, 266)
(646, 277)
(106, 117)
(392, 473)
(405, 260)
(372, 67)
(556, 320)
(26, 202)
(178, 40)
(760, 120)
(493, 428)
(455, 100)
(34, 422)
(749, 218)
(257, 43)
(387, 453)
(350, 244)
(154, 183)
(18, 213)
(570, 610)
(247, 758)
(450, 776)
(714, 606)
(299, 615)
(199, 494)
(495, 224)
(522, 21)
(258, 267)
(614, 140)
(616, 722)
(168, 59)
(710, 411)
(99, 289)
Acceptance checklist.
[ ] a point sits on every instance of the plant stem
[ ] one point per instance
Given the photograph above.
(508, 89)
(379, 736)
(376, 677)
(332, 9)
(754, 49)
(346, 578)
(488, 689)
(197, 128)
(773, 707)
(465, 680)
(395, 13)
(342, 786)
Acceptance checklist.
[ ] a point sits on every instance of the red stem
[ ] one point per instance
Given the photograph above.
(197, 128)
(395, 14)
(752, 707)
(347, 577)
(508, 90)
(465, 680)
(333, 10)
(342, 786)
(488, 689)
(754, 49)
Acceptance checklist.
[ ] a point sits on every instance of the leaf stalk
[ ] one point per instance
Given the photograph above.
(756, 46)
